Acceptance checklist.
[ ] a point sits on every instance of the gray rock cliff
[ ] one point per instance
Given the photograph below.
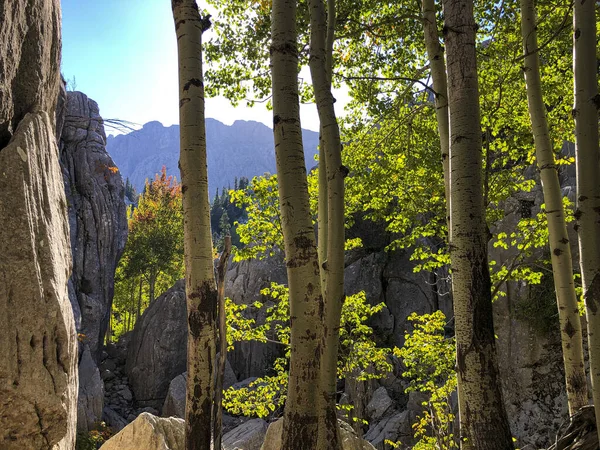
(38, 379)
(98, 228)
(97, 217)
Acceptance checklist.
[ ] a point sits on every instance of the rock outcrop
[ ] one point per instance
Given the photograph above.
(157, 351)
(91, 393)
(97, 217)
(98, 226)
(157, 354)
(30, 40)
(248, 436)
(243, 282)
(149, 432)
(176, 396)
(38, 379)
(350, 441)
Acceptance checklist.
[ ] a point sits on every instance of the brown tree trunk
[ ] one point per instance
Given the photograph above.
(201, 292)
(218, 406)
(483, 420)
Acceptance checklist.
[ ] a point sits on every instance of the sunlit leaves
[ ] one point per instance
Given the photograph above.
(429, 357)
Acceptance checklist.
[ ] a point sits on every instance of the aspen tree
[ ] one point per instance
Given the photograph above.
(587, 156)
(483, 420)
(301, 414)
(331, 190)
(562, 266)
(437, 64)
(201, 291)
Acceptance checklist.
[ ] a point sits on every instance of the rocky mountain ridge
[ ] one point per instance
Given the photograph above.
(243, 149)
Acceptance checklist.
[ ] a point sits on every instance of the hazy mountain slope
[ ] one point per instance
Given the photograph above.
(244, 149)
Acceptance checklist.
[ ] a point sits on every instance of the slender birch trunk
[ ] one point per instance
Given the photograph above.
(483, 420)
(437, 64)
(201, 290)
(300, 419)
(322, 28)
(562, 266)
(218, 406)
(587, 155)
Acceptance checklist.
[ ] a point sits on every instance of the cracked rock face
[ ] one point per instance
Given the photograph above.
(38, 379)
(38, 382)
(97, 217)
(98, 225)
(29, 60)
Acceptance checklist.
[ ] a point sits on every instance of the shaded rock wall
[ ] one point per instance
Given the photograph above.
(157, 352)
(98, 226)
(158, 349)
(38, 382)
(30, 43)
(97, 217)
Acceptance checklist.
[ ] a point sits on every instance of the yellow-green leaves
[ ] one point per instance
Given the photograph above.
(429, 357)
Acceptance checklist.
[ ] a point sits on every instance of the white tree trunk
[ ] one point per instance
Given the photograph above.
(321, 42)
(201, 292)
(300, 420)
(588, 174)
(562, 266)
(483, 420)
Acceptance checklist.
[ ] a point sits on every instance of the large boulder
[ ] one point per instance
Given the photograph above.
(393, 428)
(380, 404)
(149, 432)
(243, 282)
(248, 436)
(176, 396)
(38, 379)
(157, 351)
(91, 393)
(97, 217)
(350, 441)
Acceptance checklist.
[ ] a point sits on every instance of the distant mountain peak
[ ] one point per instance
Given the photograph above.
(242, 149)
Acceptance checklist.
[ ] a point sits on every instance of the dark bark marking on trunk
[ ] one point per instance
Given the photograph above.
(207, 306)
(569, 329)
(592, 295)
(192, 82)
(557, 251)
(287, 48)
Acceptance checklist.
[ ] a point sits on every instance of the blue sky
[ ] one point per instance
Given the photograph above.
(123, 54)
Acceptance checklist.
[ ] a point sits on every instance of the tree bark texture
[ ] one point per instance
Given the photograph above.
(562, 266)
(483, 420)
(321, 47)
(437, 64)
(300, 420)
(218, 406)
(587, 155)
(201, 290)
